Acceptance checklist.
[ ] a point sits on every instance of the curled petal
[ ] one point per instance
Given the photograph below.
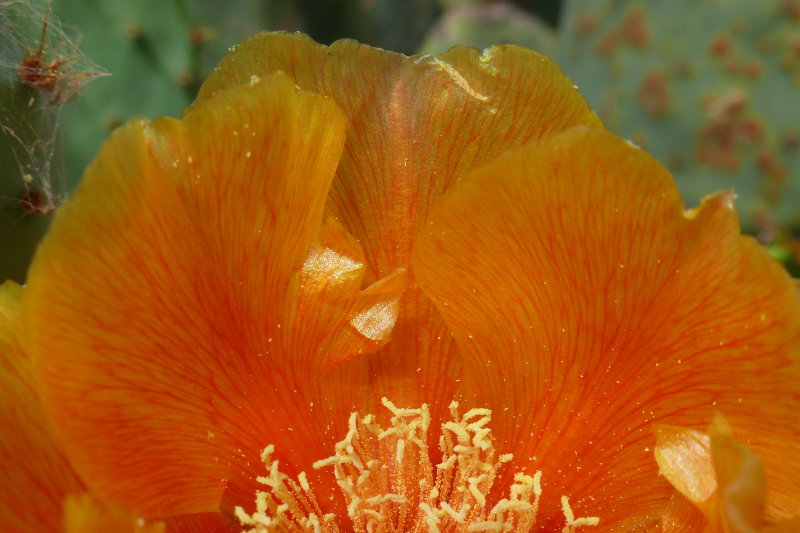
(684, 458)
(731, 477)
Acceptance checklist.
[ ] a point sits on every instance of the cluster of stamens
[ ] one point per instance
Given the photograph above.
(390, 484)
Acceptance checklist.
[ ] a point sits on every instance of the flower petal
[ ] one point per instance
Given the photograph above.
(589, 306)
(36, 476)
(176, 324)
(415, 126)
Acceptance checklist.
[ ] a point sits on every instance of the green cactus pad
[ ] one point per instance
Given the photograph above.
(710, 87)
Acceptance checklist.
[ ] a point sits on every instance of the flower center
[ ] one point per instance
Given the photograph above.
(390, 483)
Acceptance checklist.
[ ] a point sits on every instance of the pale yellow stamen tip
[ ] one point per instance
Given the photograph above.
(572, 522)
(389, 483)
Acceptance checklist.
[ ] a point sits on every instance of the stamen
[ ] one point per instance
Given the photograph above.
(572, 522)
(389, 483)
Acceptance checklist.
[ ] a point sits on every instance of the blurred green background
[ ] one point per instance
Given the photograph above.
(710, 87)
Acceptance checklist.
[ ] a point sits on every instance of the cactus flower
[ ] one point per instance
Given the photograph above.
(351, 290)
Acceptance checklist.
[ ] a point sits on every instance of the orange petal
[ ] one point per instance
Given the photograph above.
(415, 126)
(35, 474)
(176, 326)
(589, 306)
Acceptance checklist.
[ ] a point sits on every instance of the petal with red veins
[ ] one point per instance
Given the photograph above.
(177, 325)
(415, 126)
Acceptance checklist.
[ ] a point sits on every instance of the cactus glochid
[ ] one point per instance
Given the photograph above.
(40, 70)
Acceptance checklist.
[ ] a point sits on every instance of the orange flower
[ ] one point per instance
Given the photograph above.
(225, 290)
